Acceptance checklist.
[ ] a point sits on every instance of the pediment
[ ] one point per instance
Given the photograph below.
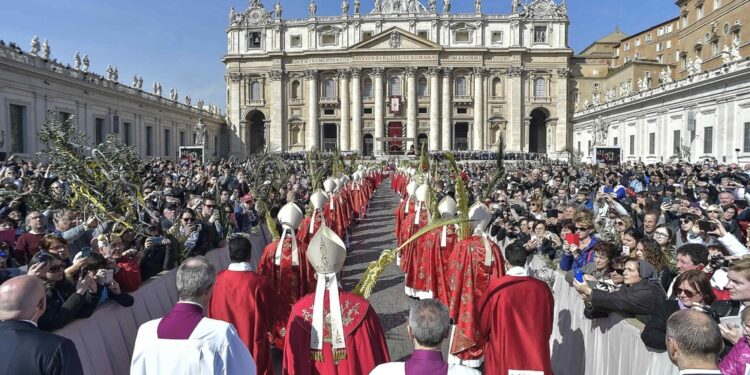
(395, 38)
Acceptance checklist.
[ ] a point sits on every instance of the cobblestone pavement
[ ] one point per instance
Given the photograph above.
(367, 239)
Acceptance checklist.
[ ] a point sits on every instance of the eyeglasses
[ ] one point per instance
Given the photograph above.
(661, 235)
(688, 293)
(54, 269)
(188, 219)
(620, 223)
(619, 271)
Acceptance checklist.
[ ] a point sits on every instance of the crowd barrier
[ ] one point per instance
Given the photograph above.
(580, 346)
(105, 340)
(607, 346)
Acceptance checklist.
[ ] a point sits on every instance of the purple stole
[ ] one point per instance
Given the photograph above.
(180, 323)
(426, 362)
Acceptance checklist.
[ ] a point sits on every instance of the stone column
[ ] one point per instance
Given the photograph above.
(411, 107)
(447, 133)
(278, 125)
(379, 109)
(312, 131)
(433, 72)
(356, 132)
(514, 93)
(345, 115)
(478, 127)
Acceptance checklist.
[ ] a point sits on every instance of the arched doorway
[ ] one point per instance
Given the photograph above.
(368, 145)
(461, 136)
(422, 141)
(538, 131)
(395, 130)
(256, 131)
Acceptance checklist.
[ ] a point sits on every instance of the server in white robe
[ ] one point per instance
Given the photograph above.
(186, 342)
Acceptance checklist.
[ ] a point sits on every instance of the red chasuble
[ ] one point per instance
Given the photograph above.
(303, 234)
(401, 213)
(430, 264)
(290, 282)
(408, 229)
(468, 278)
(247, 300)
(504, 312)
(365, 342)
(335, 219)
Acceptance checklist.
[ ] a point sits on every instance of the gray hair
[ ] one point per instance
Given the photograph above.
(429, 322)
(696, 335)
(195, 277)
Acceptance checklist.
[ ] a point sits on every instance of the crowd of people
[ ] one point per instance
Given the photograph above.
(655, 242)
(643, 241)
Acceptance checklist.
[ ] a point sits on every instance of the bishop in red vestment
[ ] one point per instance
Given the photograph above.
(504, 311)
(332, 332)
(248, 301)
(334, 210)
(310, 225)
(284, 263)
(431, 258)
(474, 262)
(411, 225)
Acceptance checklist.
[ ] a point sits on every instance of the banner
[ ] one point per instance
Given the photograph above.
(607, 155)
(192, 153)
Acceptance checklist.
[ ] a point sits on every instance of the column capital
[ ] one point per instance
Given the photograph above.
(447, 71)
(235, 77)
(378, 71)
(515, 71)
(481, 71)
(355, 72)
(311, 73)
(276, 75)
(344, 73)
(410, 71)
(433, 70)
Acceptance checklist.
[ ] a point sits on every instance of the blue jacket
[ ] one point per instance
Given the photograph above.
(586, 256)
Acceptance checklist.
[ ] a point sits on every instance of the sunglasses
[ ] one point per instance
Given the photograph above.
(188, 219)
(209, 205)
(54, 269)
(688, 293)
(619, 271)
(581, 229)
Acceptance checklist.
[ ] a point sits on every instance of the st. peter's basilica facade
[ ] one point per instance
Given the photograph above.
(405, 73)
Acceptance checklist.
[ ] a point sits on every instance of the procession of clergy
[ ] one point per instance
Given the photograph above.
(293, 300)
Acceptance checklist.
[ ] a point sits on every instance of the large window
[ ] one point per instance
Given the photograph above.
(462, 36)
(540, 88)
(182, 138)
(99, 130)
(17, 121)
(167, 142)
(255, 40)
(676, 142)
(632, 145)
(296, 41)
(149, 140)
(461, 89)
(746, 138)
(708, 139)
(651, 143)
(328, 39)
(367, 90)
(540, 34)
(126, 133)
(497, 37)
(256, 91)
(422, 87)
(329, 88)
(394, 86)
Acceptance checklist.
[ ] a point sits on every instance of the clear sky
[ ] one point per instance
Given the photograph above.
(181, 43)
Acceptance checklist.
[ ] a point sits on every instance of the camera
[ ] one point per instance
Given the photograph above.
(718, 262)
